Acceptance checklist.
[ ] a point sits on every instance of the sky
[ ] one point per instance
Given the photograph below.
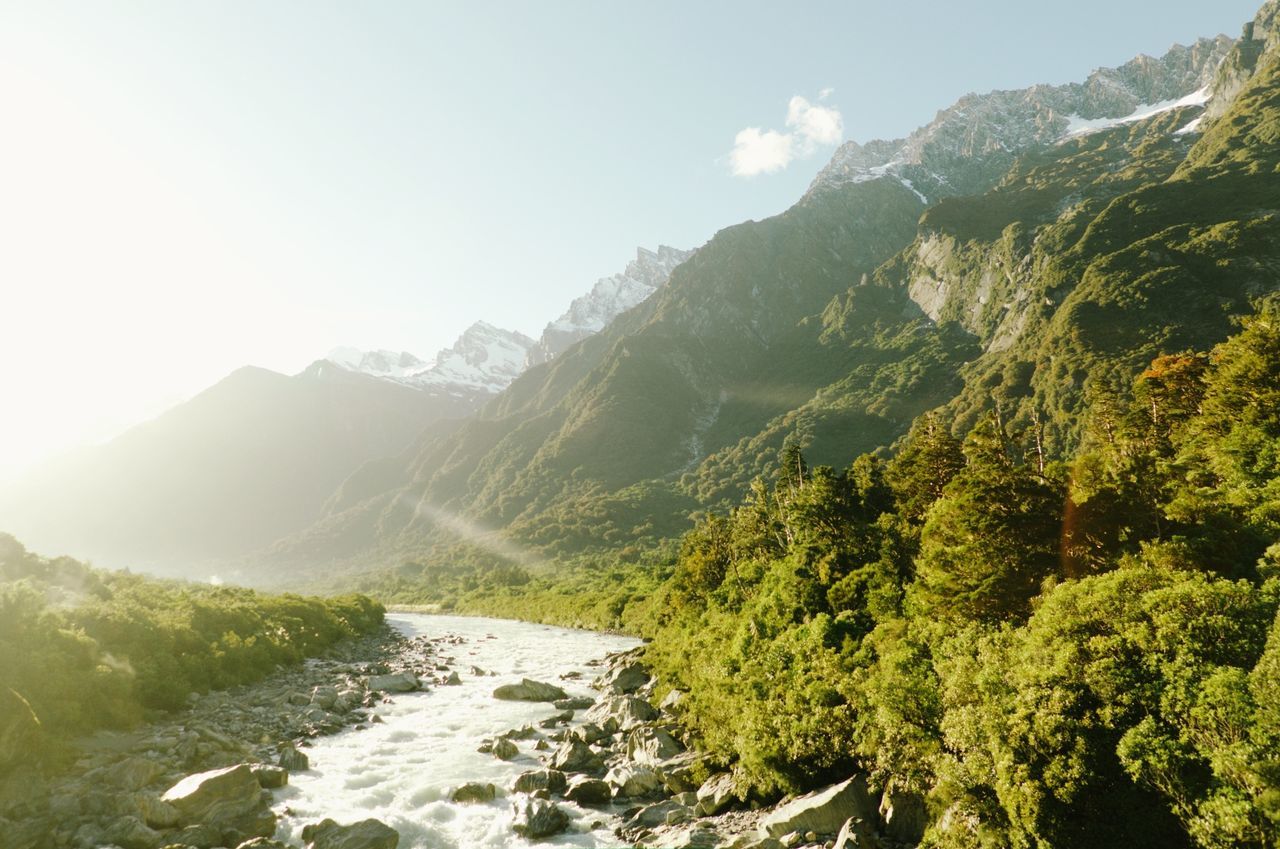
(190, 187)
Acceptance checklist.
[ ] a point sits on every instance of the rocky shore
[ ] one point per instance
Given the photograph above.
(204, 778)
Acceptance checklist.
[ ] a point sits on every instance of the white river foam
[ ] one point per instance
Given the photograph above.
(401, 771)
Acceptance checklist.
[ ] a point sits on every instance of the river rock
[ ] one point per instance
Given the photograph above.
(133, 773)
(216, 796)
(666, 812)
(622, 712)
(529, 690)
(678, 773)
(537, 818)
(474, 791)
(556, 719)
(325, 697)
(366, 834)
(671, 701)
(856, 833)
(823, 811)
(550, 780)
(505, 750)
(293, 760)
(630, 780)
(716, 794)
(652, 745)
(573, 755)
(574, 703)
(156, 812)
(624, 680)
(270, 777)
(133, 833)
(453, 680)
(399, 682)
(588, 791)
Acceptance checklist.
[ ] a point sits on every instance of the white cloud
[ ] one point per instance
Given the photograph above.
(810, 126)
(760, 152)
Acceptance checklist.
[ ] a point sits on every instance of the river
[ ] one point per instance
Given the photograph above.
(402, 770)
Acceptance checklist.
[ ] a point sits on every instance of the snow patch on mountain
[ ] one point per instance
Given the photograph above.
(1079, 126)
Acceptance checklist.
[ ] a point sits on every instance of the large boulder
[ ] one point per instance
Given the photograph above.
(624, 680)
(366, 834)
(856, 833)
(537, 818)
(630, 780)
(133, 773)
(573, 755)
(474, 791)
(666, 812)
(270, 777)
(823, 811)
(293, 760)
(651, 745)
(133, 833)
(397, 682)
(549, 780)
(588, 791)
(621, 712)
(217, 796)
(156, 812)
(716, 794)
(529, 690)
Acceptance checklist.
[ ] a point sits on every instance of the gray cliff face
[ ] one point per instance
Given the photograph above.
(1260, 36)
(969, 145)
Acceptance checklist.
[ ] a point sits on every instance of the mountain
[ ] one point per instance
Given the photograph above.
(248, 460)
(609, 298)
(482, 362)
(1024, 249)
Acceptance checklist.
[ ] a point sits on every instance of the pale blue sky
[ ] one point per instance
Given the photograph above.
(189, 187)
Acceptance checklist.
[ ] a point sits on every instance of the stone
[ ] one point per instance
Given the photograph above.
(679, 773)
(904, 815)
(574, 703)
(293, 760)
(325, 697)
(626, 712)
(529, 690)
(453, 680)
(823, 811)
(201, 836)
(624, 680)
(589, 791)
(270, 777)
(632, 780)
(671, 701)
(550, 780)
(589, 732)
(651, 816)
(156, 812)
(504, 749)
(652, 745)
(556, 719)
(133, 833)
(366, 834)
(261, 843)
(856, 833)
(398, 682)
(573, 755)
(133, 773)
(474, 791)
(527, 732)
(216, 796)
(716, 794)
(538, 818)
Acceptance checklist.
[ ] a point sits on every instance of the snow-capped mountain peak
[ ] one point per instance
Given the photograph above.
(980, 134)
(609, 298)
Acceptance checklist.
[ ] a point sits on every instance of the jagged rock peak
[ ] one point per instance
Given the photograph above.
(979, 135)
(1260, 36)
(608, 298)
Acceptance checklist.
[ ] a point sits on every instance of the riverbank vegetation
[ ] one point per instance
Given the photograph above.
(83, 648)
(1078, 651)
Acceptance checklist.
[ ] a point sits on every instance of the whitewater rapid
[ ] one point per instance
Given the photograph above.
(402, 770)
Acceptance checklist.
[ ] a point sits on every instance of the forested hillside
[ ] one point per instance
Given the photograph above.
(83, 649)
(1046, 274)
